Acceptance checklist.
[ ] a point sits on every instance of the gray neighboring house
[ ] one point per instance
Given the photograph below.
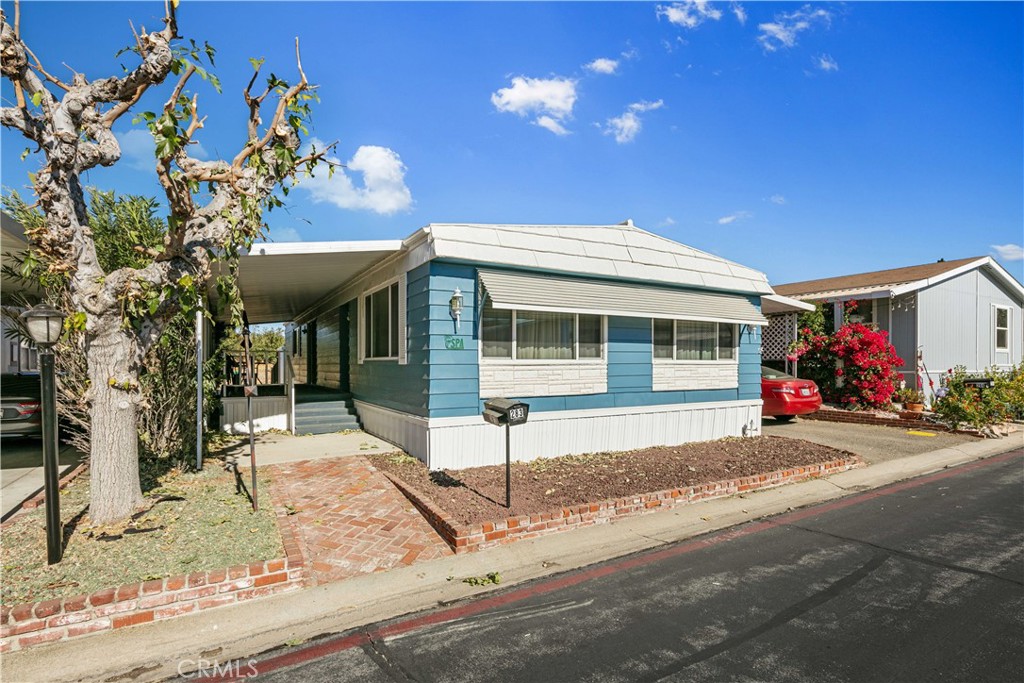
(963, 312)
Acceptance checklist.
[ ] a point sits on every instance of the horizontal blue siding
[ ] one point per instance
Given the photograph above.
(454, 379)
(454, 387)
(385, 382)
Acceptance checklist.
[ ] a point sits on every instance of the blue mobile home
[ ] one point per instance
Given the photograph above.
(617, 338)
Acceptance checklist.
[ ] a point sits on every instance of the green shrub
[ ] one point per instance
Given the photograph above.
(961, 404)
(1008, 386)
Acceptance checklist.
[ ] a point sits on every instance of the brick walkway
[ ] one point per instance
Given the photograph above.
(350, 519)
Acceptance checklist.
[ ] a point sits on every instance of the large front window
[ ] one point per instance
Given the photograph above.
(534, 335)
(381, 323)
(691, 340)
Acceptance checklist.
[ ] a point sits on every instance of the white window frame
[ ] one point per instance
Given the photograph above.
(546, 361)
(675, 331)
(996, 328)
(364, 328)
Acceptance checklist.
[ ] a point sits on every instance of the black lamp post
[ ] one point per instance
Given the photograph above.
(45, 324)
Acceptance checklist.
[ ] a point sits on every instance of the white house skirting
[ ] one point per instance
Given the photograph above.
(459, 442)
(402, 429)
(268, 412)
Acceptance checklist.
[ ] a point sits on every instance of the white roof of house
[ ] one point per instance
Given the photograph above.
(621, 251)
(285, 280)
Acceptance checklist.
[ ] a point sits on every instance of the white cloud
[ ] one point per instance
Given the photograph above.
(644, 105)
(551, 124)
(783, 31)
(777, 199)
(602, 65)
(666, 222)
(826, 63)
(689, 14)
(285, 235)
(741, 14)
(733, 217)
(626, 127)
(1009, 252)
(631, 53)
(552, 99)
(137, 149)
(383, 190)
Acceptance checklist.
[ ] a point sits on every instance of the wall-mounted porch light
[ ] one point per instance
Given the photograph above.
(455, 307)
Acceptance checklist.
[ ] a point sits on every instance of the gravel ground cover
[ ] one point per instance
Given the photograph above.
(190, 522)
(476, 495)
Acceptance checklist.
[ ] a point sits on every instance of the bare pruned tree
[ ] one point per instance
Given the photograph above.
(215, 210)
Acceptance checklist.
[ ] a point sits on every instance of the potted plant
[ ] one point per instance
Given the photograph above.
(913, 399)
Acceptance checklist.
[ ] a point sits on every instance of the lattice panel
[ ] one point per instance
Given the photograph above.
(779, 334)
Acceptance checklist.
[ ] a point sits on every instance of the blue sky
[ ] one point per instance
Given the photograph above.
(802, 139)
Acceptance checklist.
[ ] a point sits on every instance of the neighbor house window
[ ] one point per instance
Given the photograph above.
(693, 340)
(380, 320)
(1002, 329)
(534, 335)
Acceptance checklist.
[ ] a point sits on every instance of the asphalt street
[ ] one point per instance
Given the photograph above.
(917, 581)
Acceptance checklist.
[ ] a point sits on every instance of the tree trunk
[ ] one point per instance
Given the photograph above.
(115, 491)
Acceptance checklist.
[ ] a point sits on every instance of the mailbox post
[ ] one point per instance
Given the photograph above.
(508, 413)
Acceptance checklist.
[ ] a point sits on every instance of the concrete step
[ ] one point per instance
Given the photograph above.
(325, 397)
(303, 426)
(322, 428)
(317, 409)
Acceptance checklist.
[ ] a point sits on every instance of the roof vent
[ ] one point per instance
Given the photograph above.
(628, 223)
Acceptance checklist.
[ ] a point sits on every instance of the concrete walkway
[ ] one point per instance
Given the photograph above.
(161, 649)
(274, 448)
(21, 471)
(873, 443)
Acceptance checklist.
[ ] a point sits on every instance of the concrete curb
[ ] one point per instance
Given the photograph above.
(153, 652)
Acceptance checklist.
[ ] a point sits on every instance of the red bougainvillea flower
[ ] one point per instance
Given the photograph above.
(869, 364)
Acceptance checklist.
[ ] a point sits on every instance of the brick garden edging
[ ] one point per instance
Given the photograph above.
(470, 538)
(906, 420)
(30, 624)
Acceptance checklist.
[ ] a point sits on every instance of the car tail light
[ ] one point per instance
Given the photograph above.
(784, 390)
(28, 408)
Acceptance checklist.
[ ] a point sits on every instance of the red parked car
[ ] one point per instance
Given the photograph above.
(786, 396)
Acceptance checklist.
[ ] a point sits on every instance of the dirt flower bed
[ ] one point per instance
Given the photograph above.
(190, 522)
(476, 495)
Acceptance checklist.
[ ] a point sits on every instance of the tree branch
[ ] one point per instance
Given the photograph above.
(30, 126)
(173, 99)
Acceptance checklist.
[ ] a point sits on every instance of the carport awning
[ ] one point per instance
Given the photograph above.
(774, 304)
(280, 281)
(533, 292)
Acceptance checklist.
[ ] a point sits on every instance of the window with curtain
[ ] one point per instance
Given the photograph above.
(536, 335)
(380, 320)
(496, 333)
(692, 340)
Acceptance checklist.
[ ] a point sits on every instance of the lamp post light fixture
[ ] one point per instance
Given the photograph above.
(45, 324)
(455, 306)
